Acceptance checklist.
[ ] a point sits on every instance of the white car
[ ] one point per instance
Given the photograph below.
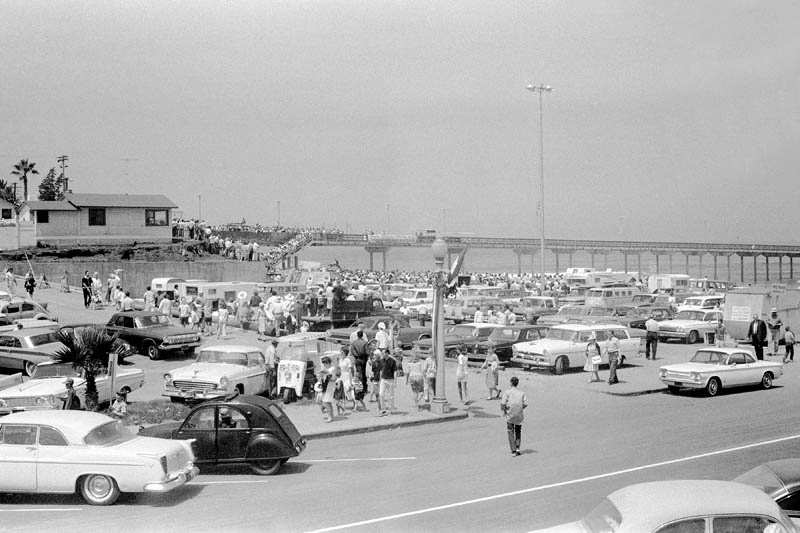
(46, 390)
(64, 451)
(707, 302)
(683, 506)
(689, 326)
(715, 368)
(217, 372)
(564, 347)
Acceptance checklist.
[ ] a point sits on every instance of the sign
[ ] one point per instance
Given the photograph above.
(740, 313)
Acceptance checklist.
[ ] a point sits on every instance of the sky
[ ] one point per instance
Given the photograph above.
(668, 120)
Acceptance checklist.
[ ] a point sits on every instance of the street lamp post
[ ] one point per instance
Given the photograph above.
(540, 89)
(439, 249)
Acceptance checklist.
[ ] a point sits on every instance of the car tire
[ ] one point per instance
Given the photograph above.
(266, 467)
(99, 489)
(561, 365)
(766, 380)
(692, 338)
(151, 350)
(673, 389)
(29, 367)
(713, 387)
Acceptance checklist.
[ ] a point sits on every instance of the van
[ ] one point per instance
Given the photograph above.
(216, 290)
(662, 282)
(281, 288)
(463, 309)
(610, 296)
(531, 308)
(705, 285)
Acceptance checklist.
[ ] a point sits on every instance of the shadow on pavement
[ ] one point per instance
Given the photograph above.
(478, 412)
(169, 499)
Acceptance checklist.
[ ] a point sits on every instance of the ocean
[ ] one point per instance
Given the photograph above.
(499, 260)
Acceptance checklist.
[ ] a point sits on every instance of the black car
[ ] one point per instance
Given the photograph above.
(456, 338)
(152, 333)
(407, 336)
(237, 429)
(502, 338)
(659, 314)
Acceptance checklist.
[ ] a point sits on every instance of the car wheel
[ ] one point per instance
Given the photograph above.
(30, 366)
(766, 380)
(673, 389)
(151, 350)
(693, 337)
(561, 366)
(266, 467)
(99, 489)
(713, 387)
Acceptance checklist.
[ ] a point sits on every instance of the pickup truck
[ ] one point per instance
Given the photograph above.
(344, 313)
(408, 334)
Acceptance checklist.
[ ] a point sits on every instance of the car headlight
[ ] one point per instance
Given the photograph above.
(681, 328)
(2, 402)
(695, 376)
(662, 372)
(45, 400)
(167, 377)
(223, 383)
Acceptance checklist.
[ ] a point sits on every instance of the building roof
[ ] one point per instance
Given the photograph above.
(120, 200)
(50, 205)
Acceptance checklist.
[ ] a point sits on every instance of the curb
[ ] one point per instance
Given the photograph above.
(635, 393)
(456, 415)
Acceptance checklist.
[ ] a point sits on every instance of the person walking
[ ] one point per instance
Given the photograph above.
(30, 283)
(271, 366)
(774, 324)
(651, 325)
(429, 369)
(222, 319)
(492, 366)
(183, 312)
(612, 349)
(388, 369)
(788, 341)
(149, 300)
(347, 367)
(513, 403)
(720, 333)
(165, 305)
(376, 364)
(261, 321)
(86, 287)
(416, 379)
(757, 334)
(360, 353)
(326, 384)
(461, 377)
(593, 358)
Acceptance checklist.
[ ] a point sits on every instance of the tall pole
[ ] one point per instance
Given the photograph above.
(278, 202)
(199, 207)
(386, 230)
(540, 89)
(439, 403)
(62, 159)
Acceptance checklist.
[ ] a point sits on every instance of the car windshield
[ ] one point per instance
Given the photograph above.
(503, 334)
(214, 356)
(112, 432)
(561, 334)
(693, 301)
(605, 518)
(707, 357)
(43, 338)
(534, 302)
(54, 371)
(151, 321)
(762, 478)
(461, 331)
(690, 315)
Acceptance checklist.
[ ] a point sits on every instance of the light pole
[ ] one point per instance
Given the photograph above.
(540, 89)
(439, 249)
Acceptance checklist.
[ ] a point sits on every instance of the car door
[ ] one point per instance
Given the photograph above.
(18, 457)
(736, 371)
(201, 426)
(752, 372)
(53, 451)
(628, 346)
(256, 373)
(7, 357)
(233, 434)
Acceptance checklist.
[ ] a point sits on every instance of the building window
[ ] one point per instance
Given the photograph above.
(156, 217)
(6, 214)
(97, 216)
(42, 217)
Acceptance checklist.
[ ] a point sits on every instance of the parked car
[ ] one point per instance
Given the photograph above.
(564, 347)
(659, 314)
(457, 337)
(407, 336)
(780, 480)
(237, 429)
(502, 338)
(44, 340)
(462, 309)
(45, 389)
(68, 451)
(646, 299)
(683, 506)
(216, 372)
(531, 308)
(17, 308)
(689, 326)
(152, 333)
(702, 303)
(712, 369)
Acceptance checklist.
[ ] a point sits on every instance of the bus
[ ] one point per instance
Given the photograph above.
(610, 296)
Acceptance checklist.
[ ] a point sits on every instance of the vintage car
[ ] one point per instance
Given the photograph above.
(646, 299)
(683, 506)
(780, 480)
(564, 346)
(408, 334)
(702, 303)
(689, 326)
(237, 429)
(659, 314)
(44, 340)
(502, 338)
(712, 369)
(45, 389)
(216, 372)
(457, 338)
(65, 451)
(462, 309)
(413, 297)
(17, 308)
(151, 333)
(531, 308)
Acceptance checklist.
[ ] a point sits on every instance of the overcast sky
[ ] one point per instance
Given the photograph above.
(668, 120)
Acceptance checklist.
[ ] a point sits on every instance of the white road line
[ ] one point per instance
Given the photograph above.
(46, 510)
(229, 482)
(556, 485)
(356, 459)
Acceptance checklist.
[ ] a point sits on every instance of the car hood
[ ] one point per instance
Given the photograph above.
(206, 371)
(39, 387)
(691, 367)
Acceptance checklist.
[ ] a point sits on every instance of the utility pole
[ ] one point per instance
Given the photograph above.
(540, 89)
(278, 224)
(199, 207)
(62, 159)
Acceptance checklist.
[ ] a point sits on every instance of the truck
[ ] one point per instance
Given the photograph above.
(345, 312)
(741, 304)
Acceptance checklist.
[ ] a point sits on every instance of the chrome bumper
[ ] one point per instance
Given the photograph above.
(181, 478)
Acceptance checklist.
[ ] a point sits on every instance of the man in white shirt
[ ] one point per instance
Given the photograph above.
(512, 403)
(651, 325)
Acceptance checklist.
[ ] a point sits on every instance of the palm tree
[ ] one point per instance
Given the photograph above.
(7, 193)
(21, 170)
(87, 350)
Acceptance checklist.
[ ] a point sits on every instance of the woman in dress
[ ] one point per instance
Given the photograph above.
(461, 377)
(592, 350)
(261, 321)
(327, 380)
(416, 379)
(346, 366)
(492, 366)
